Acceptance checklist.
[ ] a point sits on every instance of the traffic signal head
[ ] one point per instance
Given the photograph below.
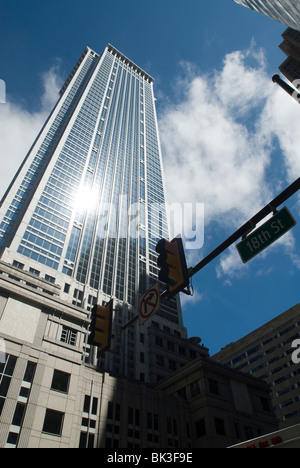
(100, 327)
(172, 263)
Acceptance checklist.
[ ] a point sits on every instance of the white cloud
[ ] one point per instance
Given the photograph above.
(230, 264)
(195, 298)
(19, 127)
(52, 82)
(210, 156)
(280, 119)
(217, 142)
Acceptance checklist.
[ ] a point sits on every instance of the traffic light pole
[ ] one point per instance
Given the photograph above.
(240, 233)
(287, 88)
(249, 226)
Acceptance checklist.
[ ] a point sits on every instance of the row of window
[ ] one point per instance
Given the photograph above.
(6, 372)
(53, 420)
(176, 348)
(33, 271)
(256, 348)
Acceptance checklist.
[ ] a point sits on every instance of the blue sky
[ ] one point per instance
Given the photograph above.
(229, 135)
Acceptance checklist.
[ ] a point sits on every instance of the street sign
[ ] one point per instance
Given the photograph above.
(149, 303)
(266, 234)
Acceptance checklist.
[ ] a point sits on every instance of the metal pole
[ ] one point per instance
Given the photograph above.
(287, 88)
(243, 231)
(249, 226)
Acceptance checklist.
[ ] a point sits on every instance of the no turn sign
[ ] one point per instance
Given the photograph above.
(149, 303)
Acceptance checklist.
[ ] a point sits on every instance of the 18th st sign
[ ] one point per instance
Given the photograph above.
(266, 234)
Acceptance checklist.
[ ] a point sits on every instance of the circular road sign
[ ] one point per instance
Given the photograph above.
(149, 303)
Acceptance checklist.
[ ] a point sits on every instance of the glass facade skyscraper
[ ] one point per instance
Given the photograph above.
(87, 206)
(284, 11)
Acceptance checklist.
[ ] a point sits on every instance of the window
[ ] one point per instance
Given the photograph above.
(12, 438)
(170, 346)
(53, 422)
(159, 341)
(195, 388)
(18, 264)
(133, 416)
(137, 417)
(87, 422)
(159, 360)
(87, 403)
(78, 296)
(213, 386)
(24, 392)
(265, 404)
(34, 272)
(149, 420)
(200, 428)
(130, 415)
(220, 426)
(172, 364)
(68, 335)
(117, 412)
(60, 381)
(6, 372)
(29, 372)
(18, 414)
(49, 278)
(86, 441)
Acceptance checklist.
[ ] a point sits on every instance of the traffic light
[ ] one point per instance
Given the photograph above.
(172, 263)
(100, 327)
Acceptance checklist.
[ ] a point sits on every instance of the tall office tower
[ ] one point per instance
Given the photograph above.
(284, 11)
(87, 206)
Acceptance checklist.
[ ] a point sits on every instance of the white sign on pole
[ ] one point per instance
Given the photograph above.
(149, 303)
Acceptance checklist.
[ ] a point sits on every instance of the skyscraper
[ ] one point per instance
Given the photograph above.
(284, 11)
(87, 206)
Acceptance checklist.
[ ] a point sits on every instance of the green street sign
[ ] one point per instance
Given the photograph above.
(266, 234)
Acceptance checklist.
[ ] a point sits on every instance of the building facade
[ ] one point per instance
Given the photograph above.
(225, 406)
(50, 397)
(283, 11)
(267, 353)
(290, 68)
(284, 438)
(87, 207)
